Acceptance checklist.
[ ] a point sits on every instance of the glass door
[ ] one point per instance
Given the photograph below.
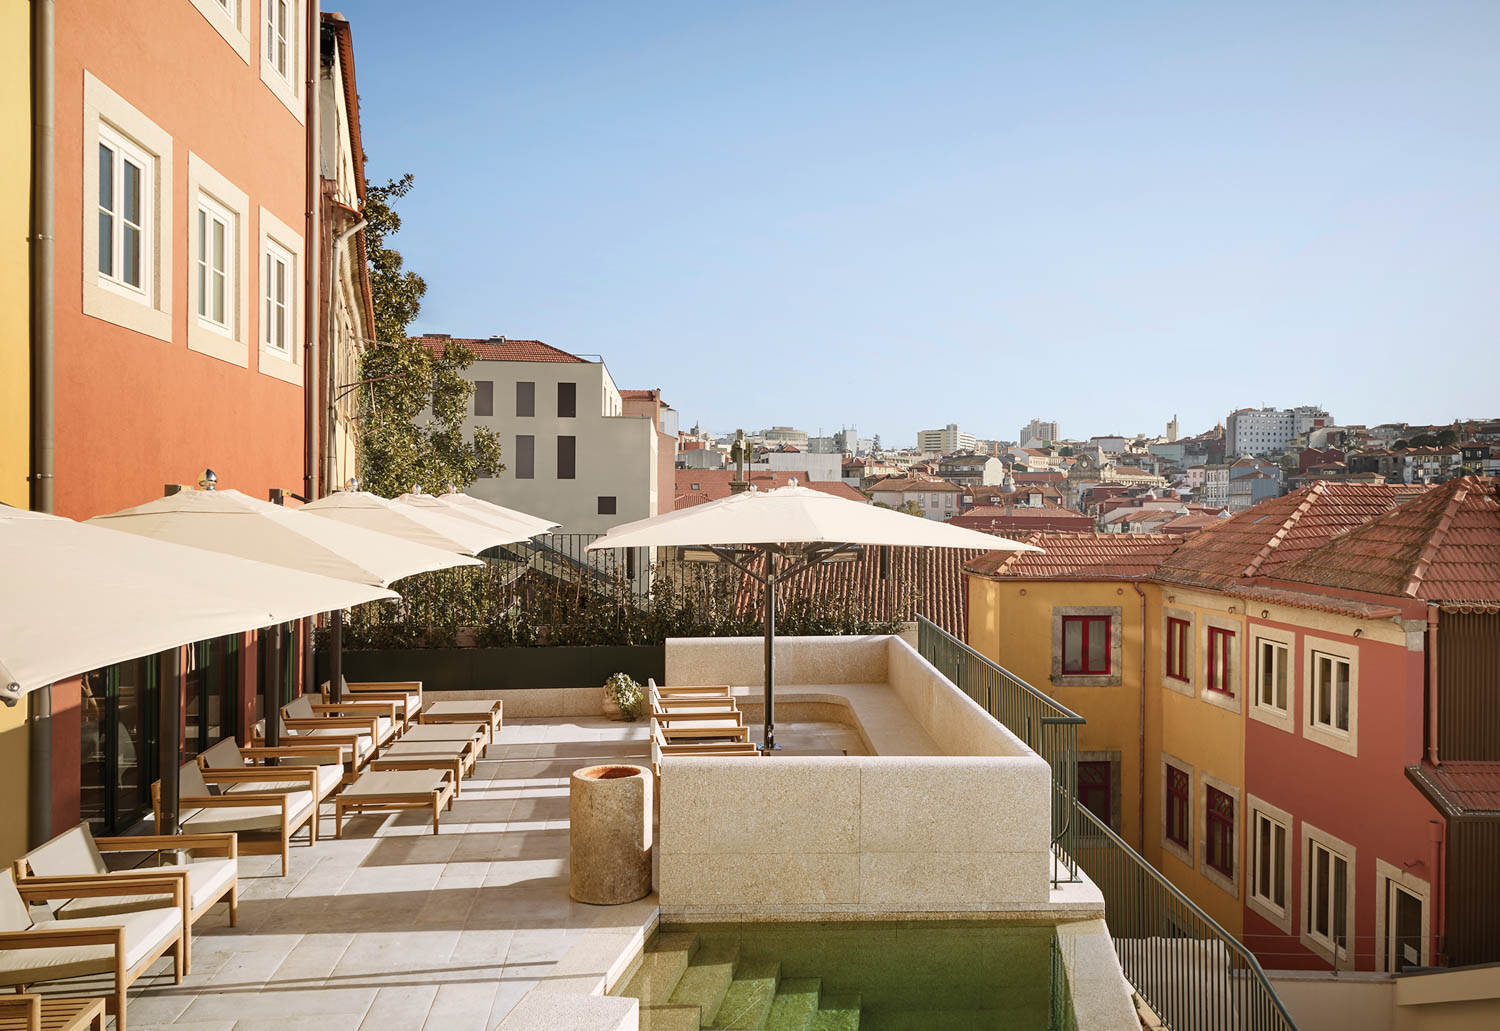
(118, 753)
(1403, 928)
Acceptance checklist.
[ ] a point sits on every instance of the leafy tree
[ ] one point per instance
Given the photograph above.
(913, 509)
(1400, 445)
(1424, 440)
(413, 409)
(1066, 452)
(403, 382)
(1447, 438)
(397, 292)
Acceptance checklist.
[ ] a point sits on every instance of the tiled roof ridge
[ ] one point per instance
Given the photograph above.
(1314, 491)
(1456, 498)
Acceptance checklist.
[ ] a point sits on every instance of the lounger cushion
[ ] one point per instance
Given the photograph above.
(363, 741)
(244, 818)
(223, 756)
(145, 931)
(329, 778)
(71, 853)
(206, 879)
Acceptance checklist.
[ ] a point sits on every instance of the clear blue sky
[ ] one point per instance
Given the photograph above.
(903, 215)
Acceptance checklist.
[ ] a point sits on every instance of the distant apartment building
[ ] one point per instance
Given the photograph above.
(1251, 481)
(972, 470)
(938, 499)
(1037, 430)
(778, 435)
(577, 449)
(945, 441)
(803, 464)
(1260, 431)
(1215, 486)
(1111, 443)
(1428, 464)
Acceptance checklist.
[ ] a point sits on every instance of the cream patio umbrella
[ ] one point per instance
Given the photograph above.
(232, 523)
(484, 511)
(419, 523)
(793, 528)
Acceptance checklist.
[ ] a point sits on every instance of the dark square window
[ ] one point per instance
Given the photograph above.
(525, 399)
(567, 458)
(525, 457)
(1096, 790)
(1177, 639)
(1220, 643)
(1220, 844)
(606, 504)
(567, 400)
(1179, 818)
(484, 397)
(1085, 645)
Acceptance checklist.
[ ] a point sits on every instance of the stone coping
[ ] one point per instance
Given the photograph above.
(875, 711)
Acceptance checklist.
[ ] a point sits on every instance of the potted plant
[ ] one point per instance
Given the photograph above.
(624, 699)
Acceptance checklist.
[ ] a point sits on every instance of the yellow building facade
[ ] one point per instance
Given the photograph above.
(15, 341)
(1139, 720)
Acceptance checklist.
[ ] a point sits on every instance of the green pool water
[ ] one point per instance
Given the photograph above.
(906, 974)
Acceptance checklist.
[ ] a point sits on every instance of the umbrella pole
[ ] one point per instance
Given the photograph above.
(169, 693)
(770, 727)
(270, 689)
(336, 657)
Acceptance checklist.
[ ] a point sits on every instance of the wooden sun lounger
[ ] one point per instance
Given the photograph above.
(35, 1013)
(387, 790)
(456, 756)
(490, 712)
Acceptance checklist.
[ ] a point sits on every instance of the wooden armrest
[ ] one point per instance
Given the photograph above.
(292, 752)
(227, 844)
(734, 716)
(260, 774)
(409, 686)
(98, 886)
(238, 800)
(57, 932)
(370, 726)
(359, 709)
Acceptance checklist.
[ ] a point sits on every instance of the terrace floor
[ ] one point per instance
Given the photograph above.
(395, 928)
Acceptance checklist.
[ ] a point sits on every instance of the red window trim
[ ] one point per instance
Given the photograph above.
(1177, 639)
(1218, 823)
(1083, 669)
(1184, 796)
(1218, 660)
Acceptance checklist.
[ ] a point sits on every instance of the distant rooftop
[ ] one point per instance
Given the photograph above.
(500, 349)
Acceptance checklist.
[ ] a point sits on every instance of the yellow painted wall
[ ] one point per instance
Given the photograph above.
(15, 350)
(1011, 622)
(15, 282)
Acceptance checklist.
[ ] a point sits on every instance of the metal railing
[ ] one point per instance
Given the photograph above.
(1049, 729)
(1194, 974)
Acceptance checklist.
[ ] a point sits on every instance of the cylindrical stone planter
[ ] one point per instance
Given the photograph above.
(609, 835)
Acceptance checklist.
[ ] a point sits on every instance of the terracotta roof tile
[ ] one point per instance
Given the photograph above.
(500, 349)
(1084, 556)
(1443, 546)
(713, 484)
(1013, 519)
(908, 484)
(1460, 788)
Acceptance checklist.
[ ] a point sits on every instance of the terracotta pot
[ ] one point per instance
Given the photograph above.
(609, 834)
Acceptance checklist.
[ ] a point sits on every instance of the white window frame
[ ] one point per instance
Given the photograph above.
(109, 119)
(228, 342)
(286, 86)
(1312, 839)
(1257, 810)
(1281, 719)
(208, 214)
(276, 235)
(278, 306)
(1331, 735)
(123, 149)
(228, 19)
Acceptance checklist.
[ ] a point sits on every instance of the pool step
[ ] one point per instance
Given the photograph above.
(662, 966)
(795, 1005)
(748, 1001)
(666, 1017)
(837, 1013)
(706, 980)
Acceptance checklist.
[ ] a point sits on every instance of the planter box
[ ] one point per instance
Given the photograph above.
(502, 669)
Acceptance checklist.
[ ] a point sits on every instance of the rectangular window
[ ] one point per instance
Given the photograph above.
(1179, 807)
(1220, 643)
(214, 263)
(277, 331)
(1327, 897)
(525, 400)
(124, 199)
(567, 400)
(606, 505)
(1330, 692)
(1268, 880)
(118, 747)
(567, 458)
(484, 397)
(1096, 789)
(525, 457)
(1177, 648)
(1085, 645)
(1271, 674)
(279, 29)
(1219, 847)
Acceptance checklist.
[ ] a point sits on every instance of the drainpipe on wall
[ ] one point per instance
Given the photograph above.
(1435, 830)
(1432, 684)
(43, 188)
(1141, 777)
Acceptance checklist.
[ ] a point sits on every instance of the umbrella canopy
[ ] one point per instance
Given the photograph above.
(79, 597)
(520, 524)
(423, 525)
(793, 522)
(796, 515)
(232, 523)
(472, 506)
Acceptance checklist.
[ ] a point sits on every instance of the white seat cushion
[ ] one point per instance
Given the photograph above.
(206, 879)
(244, 818)
(329, 778)
(145, 930)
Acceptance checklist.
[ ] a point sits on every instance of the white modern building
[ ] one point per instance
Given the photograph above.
(577, 449)
(945, 441)
(1036, 429)
(804, 464)
(1260, 431)
(778, 435)
(938, 499)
